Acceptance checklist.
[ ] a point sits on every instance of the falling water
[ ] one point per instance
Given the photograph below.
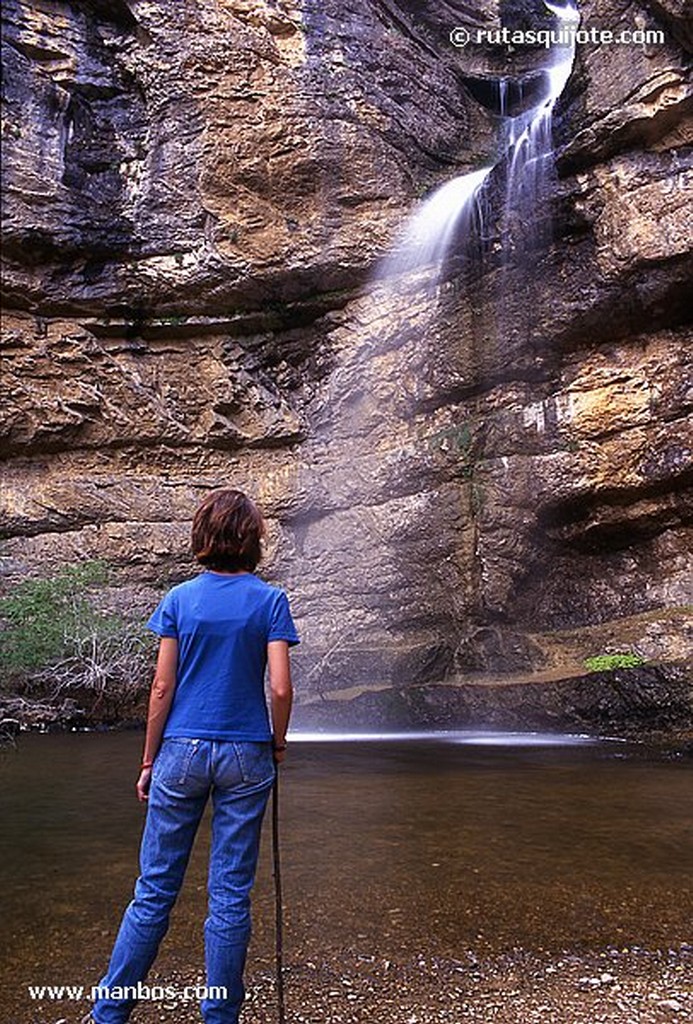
(454, 210)
(377, 433)
(530, 162)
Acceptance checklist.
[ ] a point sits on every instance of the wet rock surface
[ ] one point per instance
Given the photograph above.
(194, 208)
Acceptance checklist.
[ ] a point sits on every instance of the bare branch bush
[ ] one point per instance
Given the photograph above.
(57, 640)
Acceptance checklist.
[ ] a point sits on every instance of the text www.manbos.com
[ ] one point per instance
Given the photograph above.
(155, 993)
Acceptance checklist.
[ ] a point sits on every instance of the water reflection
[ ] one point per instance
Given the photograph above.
(470, 737)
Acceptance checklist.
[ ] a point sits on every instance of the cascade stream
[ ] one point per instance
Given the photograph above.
(455, 209)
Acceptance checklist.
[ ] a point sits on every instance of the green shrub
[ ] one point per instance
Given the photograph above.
(607, 662)
(41, 616)
(55, 638)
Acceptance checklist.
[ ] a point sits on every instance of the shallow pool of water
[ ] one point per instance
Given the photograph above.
(435, 844)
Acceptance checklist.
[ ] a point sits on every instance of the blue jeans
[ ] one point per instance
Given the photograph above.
(239, 776)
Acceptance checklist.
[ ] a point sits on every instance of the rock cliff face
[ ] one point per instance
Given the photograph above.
(468, 492)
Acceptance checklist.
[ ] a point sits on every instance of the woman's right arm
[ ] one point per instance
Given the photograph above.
(281, 693)
(160, 700)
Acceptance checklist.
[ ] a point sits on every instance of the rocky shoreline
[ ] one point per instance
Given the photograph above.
(618, 986)
(357, 986)
(637, 703)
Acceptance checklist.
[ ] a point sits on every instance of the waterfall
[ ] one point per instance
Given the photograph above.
(529, 148)
(455, 209)
(451, 210)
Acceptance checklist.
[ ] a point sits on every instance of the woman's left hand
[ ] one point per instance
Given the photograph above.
(142, 784)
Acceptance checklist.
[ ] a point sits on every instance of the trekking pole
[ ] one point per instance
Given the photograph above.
(278, 915)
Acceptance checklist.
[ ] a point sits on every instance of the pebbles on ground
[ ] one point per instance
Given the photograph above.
(612, 986)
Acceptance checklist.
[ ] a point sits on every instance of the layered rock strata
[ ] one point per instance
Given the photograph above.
(474, 485)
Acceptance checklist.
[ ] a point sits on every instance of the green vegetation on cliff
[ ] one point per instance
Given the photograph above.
(608, 662)
(58, 641)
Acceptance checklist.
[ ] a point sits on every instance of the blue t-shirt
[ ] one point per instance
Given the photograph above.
(223, 625)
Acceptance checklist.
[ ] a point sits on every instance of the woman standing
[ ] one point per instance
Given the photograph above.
(208, 731)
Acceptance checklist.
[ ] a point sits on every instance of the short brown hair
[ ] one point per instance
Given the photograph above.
(226, 531)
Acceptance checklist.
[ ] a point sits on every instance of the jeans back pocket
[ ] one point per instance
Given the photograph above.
(256, 761)
(173, 761)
